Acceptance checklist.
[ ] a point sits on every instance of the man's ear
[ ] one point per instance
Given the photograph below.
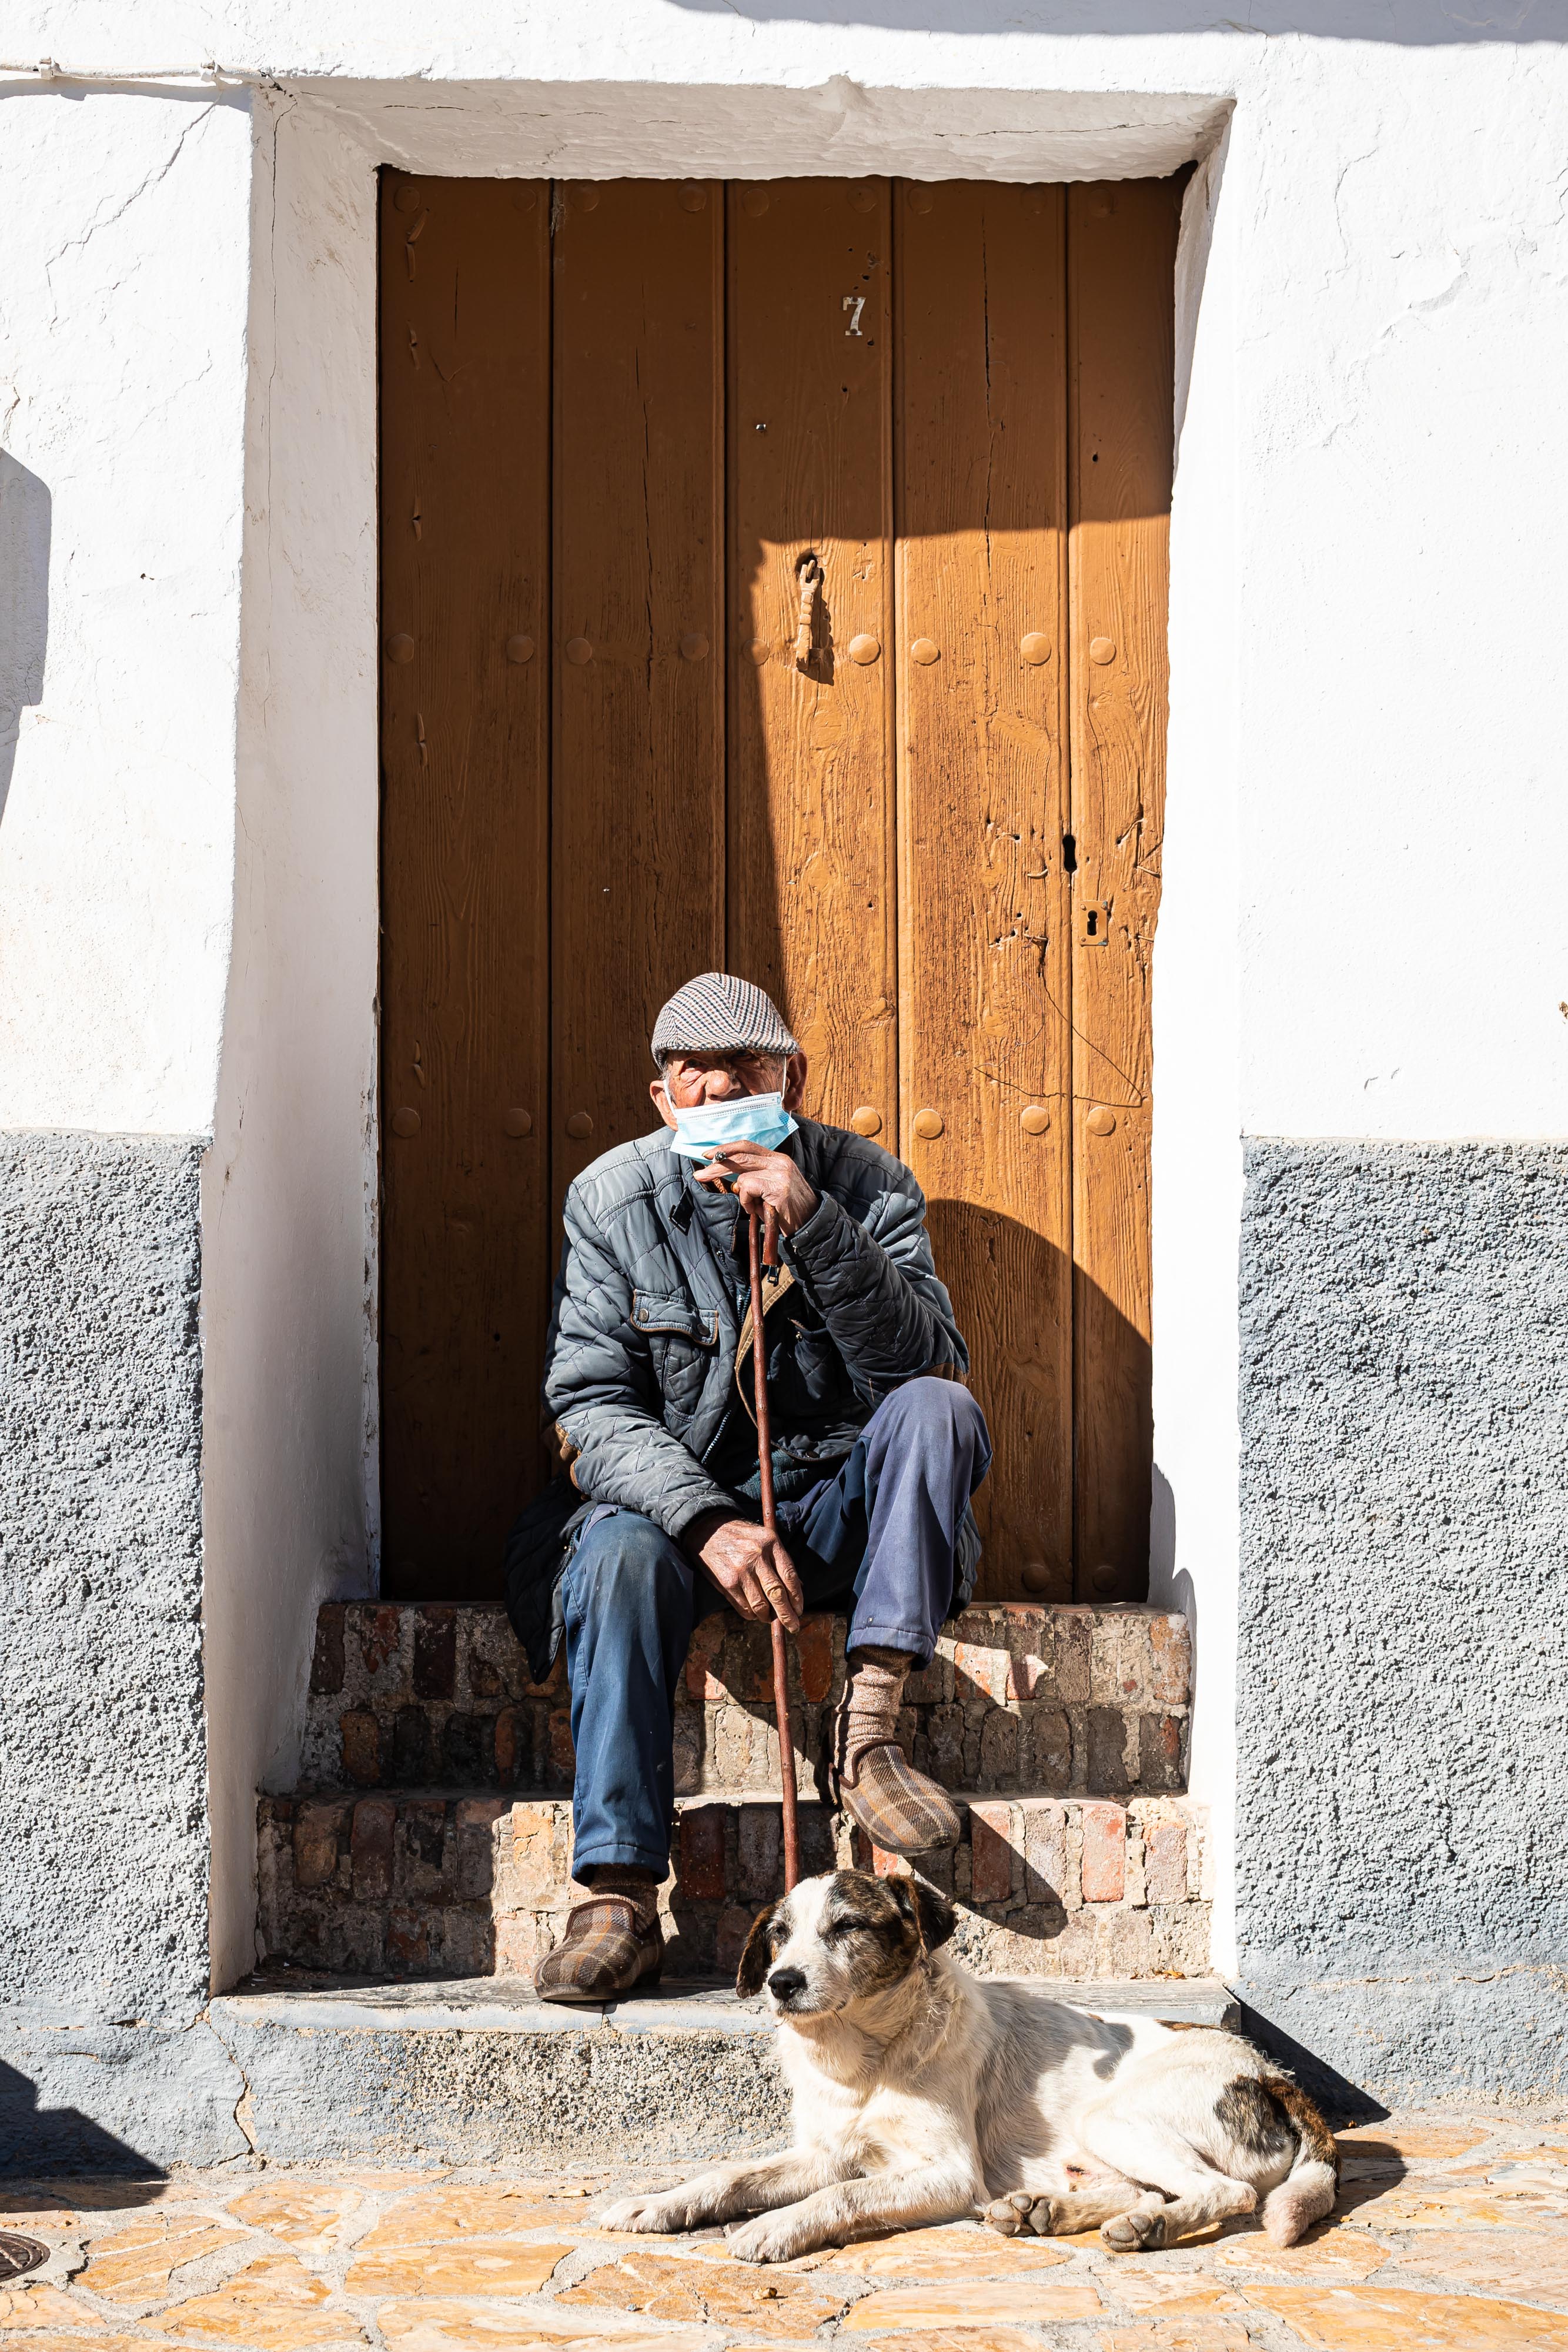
(661, 1095)
(935, 1915)
(794, 1087)
(755, 1958)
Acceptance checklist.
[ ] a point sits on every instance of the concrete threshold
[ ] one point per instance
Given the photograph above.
(510, 2005)
(478, 2071)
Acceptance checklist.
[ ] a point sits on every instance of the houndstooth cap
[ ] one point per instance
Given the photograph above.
(717, 1014)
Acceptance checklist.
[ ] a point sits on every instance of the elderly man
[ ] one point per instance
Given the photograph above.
(875, 1454)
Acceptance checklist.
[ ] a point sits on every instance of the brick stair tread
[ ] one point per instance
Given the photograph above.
(451, 1793)
(1025, 1697)
(388, 1882)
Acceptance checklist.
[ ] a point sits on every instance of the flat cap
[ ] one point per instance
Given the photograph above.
(717, 1014)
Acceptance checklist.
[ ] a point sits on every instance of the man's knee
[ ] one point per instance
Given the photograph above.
(625, 1563)
(934, 1411)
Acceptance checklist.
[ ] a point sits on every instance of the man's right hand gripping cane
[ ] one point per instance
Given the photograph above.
(748, 1564)
(750, 1567)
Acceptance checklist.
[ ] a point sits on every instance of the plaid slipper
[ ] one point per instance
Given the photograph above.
(863, 1769)
(609, 1947)
(899, 1809)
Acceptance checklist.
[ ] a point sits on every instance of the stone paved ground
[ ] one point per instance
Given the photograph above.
(1452, 2232)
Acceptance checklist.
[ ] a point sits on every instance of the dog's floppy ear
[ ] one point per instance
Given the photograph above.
(934, 1914)
(755, 1958)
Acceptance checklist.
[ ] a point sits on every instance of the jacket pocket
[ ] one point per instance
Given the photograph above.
(682, 1342)
(678, 1317)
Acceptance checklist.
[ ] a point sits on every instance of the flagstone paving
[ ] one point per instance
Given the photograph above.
(1451, 2235)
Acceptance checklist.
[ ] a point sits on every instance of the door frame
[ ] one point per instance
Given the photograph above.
(299, 1068)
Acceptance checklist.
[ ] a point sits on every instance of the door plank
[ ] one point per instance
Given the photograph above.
(637, 857)
(984, 952)
(811, 866)
(465, 1245)
(1121, 263)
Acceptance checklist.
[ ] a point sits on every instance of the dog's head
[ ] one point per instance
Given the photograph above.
(840, 1940)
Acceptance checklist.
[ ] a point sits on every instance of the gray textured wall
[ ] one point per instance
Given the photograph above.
(1403, 1655)
(102, 1764)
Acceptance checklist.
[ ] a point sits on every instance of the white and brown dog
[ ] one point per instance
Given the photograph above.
(922, 2093)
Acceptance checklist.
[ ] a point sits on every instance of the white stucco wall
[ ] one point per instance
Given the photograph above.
(187, 848)
(1197, 1017)
(123, 372)
(1360, 932)
(288, 1207)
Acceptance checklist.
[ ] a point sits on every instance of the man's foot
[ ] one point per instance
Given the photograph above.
(611, 1945)
(867, 1772)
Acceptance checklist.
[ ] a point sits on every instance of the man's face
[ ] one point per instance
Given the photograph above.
(690, 1079)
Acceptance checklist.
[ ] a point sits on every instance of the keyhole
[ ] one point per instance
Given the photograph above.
(1093, 920)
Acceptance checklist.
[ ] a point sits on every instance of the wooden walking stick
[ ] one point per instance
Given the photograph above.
(765, 1252)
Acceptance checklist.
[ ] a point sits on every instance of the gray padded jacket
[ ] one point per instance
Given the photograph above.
(647, 1322)
(645, 1326)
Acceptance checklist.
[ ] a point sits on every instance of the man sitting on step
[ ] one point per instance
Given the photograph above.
(875, 1454)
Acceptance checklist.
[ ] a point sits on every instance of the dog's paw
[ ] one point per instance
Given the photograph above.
(1135, 2232)
(645, 2213)
(1021, 2214)
(768, 2239)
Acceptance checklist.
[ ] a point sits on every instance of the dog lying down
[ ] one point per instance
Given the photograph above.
(922, 2093)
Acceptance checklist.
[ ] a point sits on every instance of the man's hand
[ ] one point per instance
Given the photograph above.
(752, 1568)
(762, 1179)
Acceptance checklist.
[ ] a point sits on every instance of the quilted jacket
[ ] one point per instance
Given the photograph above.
(646, 1325)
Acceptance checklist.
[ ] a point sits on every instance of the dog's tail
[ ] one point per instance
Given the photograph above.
(1308, 2190)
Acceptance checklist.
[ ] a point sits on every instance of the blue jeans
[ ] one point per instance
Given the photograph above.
(875, 1540)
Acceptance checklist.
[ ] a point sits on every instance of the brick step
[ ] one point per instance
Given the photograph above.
(1021, 1698)
(397, 1885)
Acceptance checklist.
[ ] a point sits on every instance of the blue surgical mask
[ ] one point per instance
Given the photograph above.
(745, 1118)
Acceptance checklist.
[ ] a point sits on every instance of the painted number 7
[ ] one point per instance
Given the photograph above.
(854, 304)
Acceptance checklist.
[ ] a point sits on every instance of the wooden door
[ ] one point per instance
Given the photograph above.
(812, 909)
(986, 986)
(1121, 257)
(465, 1224)
(637, 833)
(625, 413)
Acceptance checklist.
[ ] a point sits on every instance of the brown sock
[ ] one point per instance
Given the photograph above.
(639, 1887)
(899, 1810)
(872, 1703)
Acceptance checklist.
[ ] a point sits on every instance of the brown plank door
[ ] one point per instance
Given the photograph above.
(618, 420)
(1121, 319)
(985, 982)
(465, 1221)
(812, 900)
(638, 832)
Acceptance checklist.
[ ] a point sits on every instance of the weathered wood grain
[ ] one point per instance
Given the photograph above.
(958, 398)
(1121, 263)
(984, 950)
(812, 907)
(637, 844)
(464, 1038)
